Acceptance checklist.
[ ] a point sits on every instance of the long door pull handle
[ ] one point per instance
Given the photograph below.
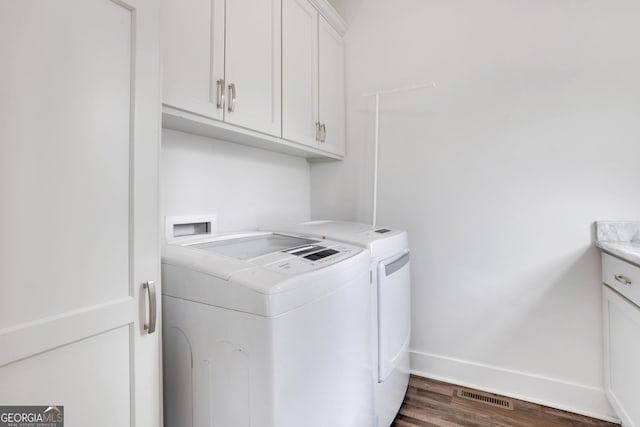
(220, 93)
(150, 286)
(232, 96)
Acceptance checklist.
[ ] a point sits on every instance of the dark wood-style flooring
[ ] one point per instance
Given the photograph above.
(434, 403)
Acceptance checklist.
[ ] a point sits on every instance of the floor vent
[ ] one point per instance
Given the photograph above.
(486, 398)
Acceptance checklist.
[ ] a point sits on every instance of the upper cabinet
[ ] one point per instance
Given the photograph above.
(300, 72)
(222, 61)
(252, 71)
(312, 79)
(331, 81)
(252, 65)
(192, 40)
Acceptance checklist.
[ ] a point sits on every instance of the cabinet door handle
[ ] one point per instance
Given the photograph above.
(317, 131)
(323, 138)
(622, 279)
(150, 286)
(232, 95)
(220, 93)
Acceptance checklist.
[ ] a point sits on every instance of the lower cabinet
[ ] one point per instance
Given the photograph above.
(622, 347)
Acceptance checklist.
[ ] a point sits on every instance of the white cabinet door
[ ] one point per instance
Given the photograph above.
(252, 65)
(331, 61)
(192, 40)
(299, 71)
(622, 356)
(79, 138)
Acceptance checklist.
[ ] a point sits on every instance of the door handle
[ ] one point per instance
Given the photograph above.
(150, 286)
(397, 264)
(323, 138)
(317, 131)
(220, 93)
(232, 95)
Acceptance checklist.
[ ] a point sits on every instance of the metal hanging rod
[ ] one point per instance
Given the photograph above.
(401, 89)
(376, 136)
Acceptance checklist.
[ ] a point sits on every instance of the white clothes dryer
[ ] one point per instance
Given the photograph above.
(391, 304)
(266, 330)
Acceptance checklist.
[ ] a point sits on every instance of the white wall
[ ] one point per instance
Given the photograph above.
(247, 187)
(532, 134)
(348, 9)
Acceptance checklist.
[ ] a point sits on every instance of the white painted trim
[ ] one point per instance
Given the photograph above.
(551, 392)
(28, 339)
(331, 15)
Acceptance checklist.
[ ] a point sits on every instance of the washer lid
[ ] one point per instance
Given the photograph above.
(381, 241)
(225, 256)
(254, 274)
(253, 246)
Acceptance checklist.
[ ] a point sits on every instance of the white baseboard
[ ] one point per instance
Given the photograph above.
(576, 398)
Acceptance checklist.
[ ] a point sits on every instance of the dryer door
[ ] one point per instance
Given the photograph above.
(394, 312)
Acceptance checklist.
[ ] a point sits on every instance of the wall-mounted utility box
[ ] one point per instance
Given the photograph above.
(185, 226)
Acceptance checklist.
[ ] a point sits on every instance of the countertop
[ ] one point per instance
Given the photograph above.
(620, 238)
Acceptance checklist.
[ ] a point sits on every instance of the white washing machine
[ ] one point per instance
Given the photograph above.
(391, 304)
(266, 330)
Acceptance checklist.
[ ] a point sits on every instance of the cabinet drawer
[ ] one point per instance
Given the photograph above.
(621, 276)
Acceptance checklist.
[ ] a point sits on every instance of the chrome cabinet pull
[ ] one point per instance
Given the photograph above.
(232, 95)
(317, 131)
(220, 93)
(622, 279)
(150, 286)
(323, 138)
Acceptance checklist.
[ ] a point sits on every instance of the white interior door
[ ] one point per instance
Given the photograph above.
(299, 71)
(79, 137)
(253, 65)
(192, 40)
(331, 63)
